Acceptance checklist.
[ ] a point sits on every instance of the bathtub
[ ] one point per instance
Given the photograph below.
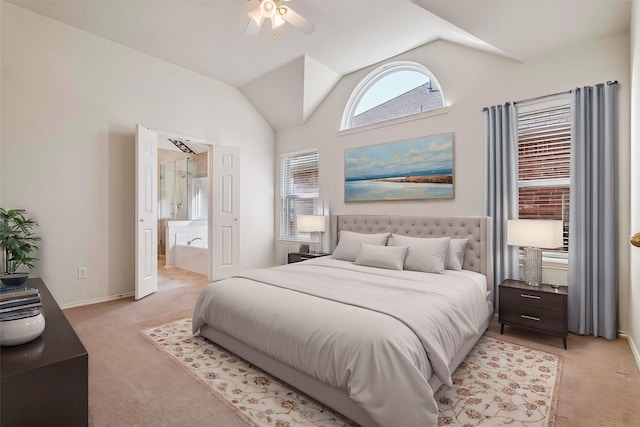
(180, 233)
(193, 257)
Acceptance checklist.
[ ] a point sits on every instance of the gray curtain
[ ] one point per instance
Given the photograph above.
(501, 196)
(593, 212)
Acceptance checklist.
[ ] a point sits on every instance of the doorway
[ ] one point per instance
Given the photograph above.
(183, 200)
(185, 217)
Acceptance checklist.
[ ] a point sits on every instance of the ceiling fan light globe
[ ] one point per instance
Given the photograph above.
(256, 15)
(268, 8)
(278, 21)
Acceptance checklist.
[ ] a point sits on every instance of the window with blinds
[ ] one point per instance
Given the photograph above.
(544, 149)
(299, 191)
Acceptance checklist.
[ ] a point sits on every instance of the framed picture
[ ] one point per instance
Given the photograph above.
(420, 168)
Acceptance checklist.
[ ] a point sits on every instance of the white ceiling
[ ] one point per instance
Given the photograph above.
(287, 78)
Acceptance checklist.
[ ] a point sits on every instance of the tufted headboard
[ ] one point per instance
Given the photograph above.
(479, 252)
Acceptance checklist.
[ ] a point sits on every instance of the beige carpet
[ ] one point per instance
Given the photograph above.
(131, 383)
(498, 383)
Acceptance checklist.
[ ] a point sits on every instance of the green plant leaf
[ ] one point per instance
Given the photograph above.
(17, 239)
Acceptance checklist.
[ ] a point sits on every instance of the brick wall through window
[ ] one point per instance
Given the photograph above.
(544, 149)
(546, 203)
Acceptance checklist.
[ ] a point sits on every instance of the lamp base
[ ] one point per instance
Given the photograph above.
(532, 266)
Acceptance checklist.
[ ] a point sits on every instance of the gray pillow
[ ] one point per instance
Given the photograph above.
(425, 254)
(389, 257)
(349, 243)
(455, 260)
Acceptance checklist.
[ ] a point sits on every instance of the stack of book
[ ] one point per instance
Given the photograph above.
(19, 302)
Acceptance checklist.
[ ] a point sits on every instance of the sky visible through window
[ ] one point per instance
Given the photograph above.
(389, 87)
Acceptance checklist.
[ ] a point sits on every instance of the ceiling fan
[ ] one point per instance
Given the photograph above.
(278, 15)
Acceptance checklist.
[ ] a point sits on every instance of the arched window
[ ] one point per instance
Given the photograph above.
(391, 91)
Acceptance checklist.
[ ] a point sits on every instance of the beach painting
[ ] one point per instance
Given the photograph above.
(419, 168)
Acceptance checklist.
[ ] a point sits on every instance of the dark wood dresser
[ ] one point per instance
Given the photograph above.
(45, 382)
(538, 308)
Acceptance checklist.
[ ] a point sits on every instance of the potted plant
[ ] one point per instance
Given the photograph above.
(18, 244)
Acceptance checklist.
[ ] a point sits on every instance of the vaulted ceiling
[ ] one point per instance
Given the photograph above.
(287, 78)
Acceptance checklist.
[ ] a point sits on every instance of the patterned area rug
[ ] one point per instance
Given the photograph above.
(497, 384)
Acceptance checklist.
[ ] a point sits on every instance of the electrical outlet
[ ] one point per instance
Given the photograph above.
(82, 272)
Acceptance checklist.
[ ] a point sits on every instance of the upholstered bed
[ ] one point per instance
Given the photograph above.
(371, 331)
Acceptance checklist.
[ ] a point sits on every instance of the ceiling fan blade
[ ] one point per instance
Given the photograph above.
(296, 20)
(255, 21)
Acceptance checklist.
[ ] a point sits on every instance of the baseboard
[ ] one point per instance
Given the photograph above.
(632, 345)
(97, 300)
(634, 350)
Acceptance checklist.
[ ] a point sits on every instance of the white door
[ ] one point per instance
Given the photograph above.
(146, 212)
(225, 226)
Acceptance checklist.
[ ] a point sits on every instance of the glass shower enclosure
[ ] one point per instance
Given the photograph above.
(183, 192)
(183, 189)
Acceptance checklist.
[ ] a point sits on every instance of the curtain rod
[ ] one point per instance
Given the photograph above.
(610, 82)
(542, 97)
(536, 98)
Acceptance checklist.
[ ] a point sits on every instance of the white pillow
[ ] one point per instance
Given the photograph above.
(349, 243)
(455, 260)
(425, 254)
(389, 257)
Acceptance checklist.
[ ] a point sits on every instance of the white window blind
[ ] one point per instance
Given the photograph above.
(544, 150)
(544, 144)
(299, 191)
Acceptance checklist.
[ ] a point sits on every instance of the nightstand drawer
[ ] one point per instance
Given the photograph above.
(532, 317)
(532, 298)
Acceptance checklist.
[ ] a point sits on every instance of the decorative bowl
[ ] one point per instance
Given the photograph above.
(20, 331)
(15, 279)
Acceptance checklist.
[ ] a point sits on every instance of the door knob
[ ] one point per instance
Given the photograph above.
(635, 239)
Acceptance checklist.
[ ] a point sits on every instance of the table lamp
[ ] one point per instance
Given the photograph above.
(533, 235)
(310, 224)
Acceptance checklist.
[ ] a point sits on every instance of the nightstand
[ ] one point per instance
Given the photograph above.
(538, 308)
(300, 256)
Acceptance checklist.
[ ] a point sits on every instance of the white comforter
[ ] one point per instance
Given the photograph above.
(378, 334)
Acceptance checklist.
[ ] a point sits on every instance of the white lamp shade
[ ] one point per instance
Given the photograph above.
(310, 223)
(535, 233)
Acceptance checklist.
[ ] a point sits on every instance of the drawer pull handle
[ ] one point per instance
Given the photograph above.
(537, 319)
(529, 296)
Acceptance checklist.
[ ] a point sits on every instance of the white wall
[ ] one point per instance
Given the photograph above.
(470, 80)
(634, 286)
(1, 8)
(70, 102)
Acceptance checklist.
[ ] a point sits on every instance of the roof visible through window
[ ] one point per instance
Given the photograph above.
(390, 87)
(392, 91)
